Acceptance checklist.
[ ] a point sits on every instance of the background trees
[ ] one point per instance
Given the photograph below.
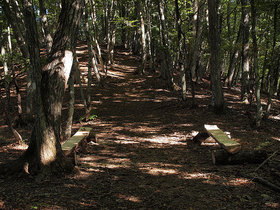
(235, 43)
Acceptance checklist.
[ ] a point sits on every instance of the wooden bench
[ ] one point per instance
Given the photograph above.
(72, 144)
(222, 139)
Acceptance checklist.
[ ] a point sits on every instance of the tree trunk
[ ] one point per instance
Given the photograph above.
(141, 69)
(234, 58)
(91, 65)
(7, 82)
(71, 102)
(111, 36)
(255, 66)
(165, 57)
(274, 68)
(95, 37)
(181, 46)
(44, 154)
(14, 17)
(215, 63)
(245, 88)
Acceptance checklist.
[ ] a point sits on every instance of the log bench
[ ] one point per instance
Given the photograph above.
(79, 139)
(222, 139)
(230, 152)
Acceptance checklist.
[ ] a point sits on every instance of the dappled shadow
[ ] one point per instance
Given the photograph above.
(144, 156)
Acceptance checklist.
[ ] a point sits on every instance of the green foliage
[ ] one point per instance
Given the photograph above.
(90, 118)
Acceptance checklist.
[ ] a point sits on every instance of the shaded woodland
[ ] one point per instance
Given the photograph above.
(146, 78)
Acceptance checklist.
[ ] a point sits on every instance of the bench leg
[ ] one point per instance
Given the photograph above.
(75, 158)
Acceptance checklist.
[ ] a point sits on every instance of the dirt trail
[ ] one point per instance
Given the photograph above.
(144, 157)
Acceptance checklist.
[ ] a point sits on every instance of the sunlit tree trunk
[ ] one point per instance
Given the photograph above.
(66, 133)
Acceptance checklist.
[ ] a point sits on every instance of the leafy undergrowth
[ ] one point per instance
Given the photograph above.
(144, 157)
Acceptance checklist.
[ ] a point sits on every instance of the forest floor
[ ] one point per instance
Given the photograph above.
(144, 156)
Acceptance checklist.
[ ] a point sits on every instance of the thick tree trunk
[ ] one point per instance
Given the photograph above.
(44, 154)
(215, 63)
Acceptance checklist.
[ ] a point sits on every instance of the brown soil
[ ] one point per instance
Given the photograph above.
(144, 157)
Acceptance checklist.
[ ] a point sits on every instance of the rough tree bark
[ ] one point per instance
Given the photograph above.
(44, 154)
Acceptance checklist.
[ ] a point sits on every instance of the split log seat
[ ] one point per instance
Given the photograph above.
(222, 139)
(76, 141)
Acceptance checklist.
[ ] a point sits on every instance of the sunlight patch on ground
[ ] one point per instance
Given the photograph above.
(116, 75)
(105, 162)
(197, 175)
(160, 171)
(276, 138)
(107, 165)
(213, 179)
(237, 182)
(172, 140)
(126, 142)
(157, 168)
(130, 198)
